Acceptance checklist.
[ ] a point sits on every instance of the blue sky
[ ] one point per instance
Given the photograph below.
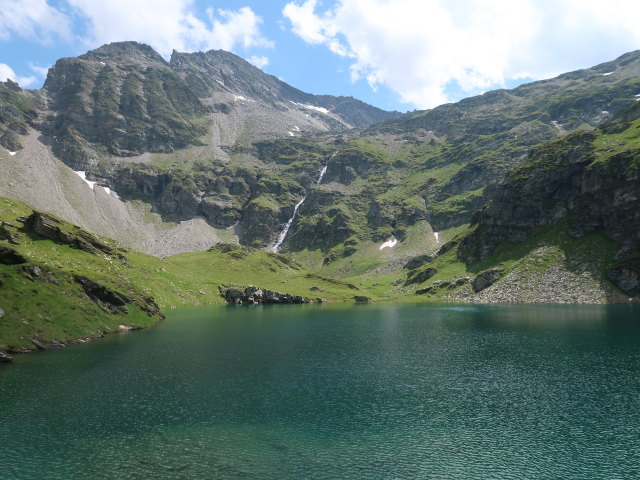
(395, 54)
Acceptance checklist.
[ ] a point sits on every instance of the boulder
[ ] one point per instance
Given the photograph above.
(627, 277)
(420, 276)
(424, 291)
(7, 234)
(253, 294)
(47, 345)
(35, 273)
(361, 299)
(109, 300)
(4, 358)
(9, 256)
(486, 279)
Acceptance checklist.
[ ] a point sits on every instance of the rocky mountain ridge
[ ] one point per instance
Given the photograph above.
(409, 178)
(123, 99)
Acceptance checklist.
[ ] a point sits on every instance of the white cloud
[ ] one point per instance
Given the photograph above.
(33, 19)
(424, 49)
(169, 24)
(258, 61)
(7, 72)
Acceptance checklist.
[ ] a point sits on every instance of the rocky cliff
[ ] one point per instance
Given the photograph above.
(566, 220)
(123, 99)
(589, 180)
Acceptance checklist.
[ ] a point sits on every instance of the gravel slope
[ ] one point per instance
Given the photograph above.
(33, 175)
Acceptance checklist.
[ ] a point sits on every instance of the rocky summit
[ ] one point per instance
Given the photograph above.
(528, 194)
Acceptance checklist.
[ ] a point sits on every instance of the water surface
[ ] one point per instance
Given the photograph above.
(327, 392)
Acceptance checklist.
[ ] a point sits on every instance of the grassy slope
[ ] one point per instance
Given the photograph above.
(62, 311)
(594, 251)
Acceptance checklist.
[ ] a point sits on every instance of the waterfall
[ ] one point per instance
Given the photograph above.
(283, 233)
(285, 230)
(322, 172)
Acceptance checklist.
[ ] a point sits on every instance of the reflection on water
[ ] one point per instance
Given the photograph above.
(378, 391)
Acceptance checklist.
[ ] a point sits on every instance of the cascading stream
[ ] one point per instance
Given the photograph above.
(283, 233)
(285, 230)
(322, 172)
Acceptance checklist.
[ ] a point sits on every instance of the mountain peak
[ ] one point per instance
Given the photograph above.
(126, 53)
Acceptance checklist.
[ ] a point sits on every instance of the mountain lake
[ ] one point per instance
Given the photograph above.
(378, 391)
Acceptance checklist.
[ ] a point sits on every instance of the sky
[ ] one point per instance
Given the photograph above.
(394, 54)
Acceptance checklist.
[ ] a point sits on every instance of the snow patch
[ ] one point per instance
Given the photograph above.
(83, 175)
(291, 134)
(12, 153)
(437, 236)
(102, 63)
(389, 243)
(296, 128)
(111, 192)
(241, 98)
(605, 74)
(311, 107)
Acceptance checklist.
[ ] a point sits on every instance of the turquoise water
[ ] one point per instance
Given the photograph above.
(335, 392)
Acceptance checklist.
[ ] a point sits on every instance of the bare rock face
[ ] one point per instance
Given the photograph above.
(486, 279)
(567, 179)
(627, 277)
(121, 99)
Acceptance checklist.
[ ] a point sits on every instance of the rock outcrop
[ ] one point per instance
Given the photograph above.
(420, 276)
(48, 226)
(486, 279)
(4, 358)
(252, 295)
(572, 179)
(627, 277)
(114, 302)
(37, 274)
(109, 300)
(9, 256)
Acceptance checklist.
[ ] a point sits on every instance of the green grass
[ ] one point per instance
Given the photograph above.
(62, 311)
